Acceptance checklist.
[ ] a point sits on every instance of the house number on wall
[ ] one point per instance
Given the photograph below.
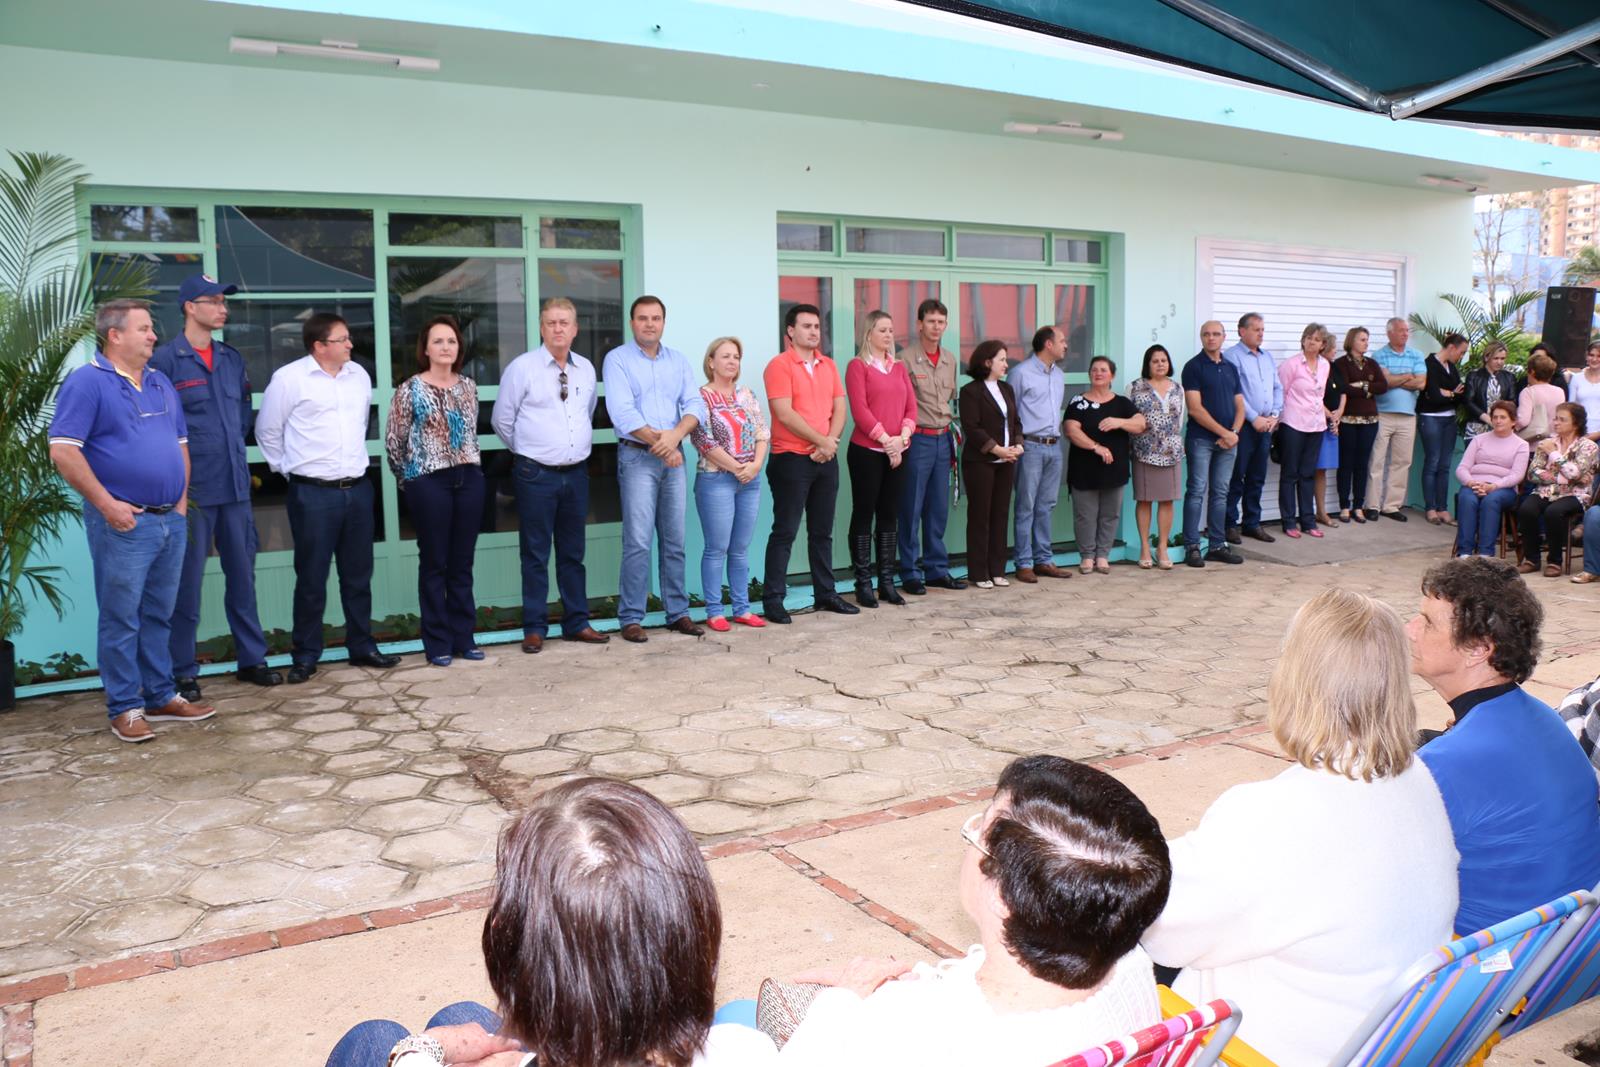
(1155, 331)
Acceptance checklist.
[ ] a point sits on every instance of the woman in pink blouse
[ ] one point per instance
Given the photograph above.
(732, 442)
(1304, 421)
(1536, 404)
(1562, 474)
(884, 410)
(1490, 471)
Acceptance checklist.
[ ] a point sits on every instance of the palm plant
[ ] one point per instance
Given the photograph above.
(48, 290)
(1585, 266)
(1480, 326)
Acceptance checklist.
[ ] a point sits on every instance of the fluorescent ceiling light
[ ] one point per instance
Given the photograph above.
(1439, 181)
(329, 49)
(1064, 129)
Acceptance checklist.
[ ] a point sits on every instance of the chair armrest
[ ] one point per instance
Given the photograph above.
(1237, 1054)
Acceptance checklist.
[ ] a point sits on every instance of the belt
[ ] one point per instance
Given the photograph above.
(631, 443)
(580, 465)
(336, 483)
(1040, 440)
(928, 431)
(148, 509)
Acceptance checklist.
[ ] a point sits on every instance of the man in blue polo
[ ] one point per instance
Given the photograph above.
(213, 385)
(1406, 370)
(1263, 403)
(1041, 390)
(119, 438)
(1215, 401)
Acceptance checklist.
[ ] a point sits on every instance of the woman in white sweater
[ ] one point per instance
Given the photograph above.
(1302, 897)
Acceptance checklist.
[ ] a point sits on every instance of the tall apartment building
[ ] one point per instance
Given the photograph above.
(1568, 222)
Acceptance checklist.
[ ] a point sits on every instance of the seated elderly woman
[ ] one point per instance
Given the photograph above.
(1062, 874)
(1301, 897)
(601, 946)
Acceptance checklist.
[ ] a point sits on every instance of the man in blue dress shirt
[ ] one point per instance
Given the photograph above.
(1041, 390)
(214, 386)
(1522, 799)
(1263, 403)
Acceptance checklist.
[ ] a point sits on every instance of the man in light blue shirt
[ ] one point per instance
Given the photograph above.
(1406, 370)
(545, 415)
(654, 401)
(1263, 402)
(1041, 390)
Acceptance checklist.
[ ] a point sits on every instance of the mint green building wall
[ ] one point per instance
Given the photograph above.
(708, 184)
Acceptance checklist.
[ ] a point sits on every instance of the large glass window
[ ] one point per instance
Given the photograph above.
(894, 241)
(595, 288)
(270, 333)
(898, 297)
(1000, 311)
(293, 249)
(818, 292)
(143, 222)
(171, 268)
(486, 297)
(1074, 307)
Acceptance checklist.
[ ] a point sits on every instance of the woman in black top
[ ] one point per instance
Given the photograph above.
(1100, 425)
(1485, 385)
(992, 427)
(1436, 425)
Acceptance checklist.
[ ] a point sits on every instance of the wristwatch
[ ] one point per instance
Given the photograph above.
(420, 1043)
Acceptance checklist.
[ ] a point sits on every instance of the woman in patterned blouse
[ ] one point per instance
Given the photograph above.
(1562, 475)
(732, 442)
(432, 447)
(1157, 453)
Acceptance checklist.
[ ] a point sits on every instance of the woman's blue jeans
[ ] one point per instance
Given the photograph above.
(727, 521)
(1438, 433)
(1480, 519)
(367, 1044)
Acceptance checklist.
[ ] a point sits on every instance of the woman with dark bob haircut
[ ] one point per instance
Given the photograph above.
(601, 945)
(992, 426)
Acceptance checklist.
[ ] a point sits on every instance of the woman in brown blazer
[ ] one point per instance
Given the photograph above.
(992, 427)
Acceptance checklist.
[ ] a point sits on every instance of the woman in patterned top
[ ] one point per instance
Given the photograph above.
(432, 446)
(1562, 474)
(732, 442)
(1157, 453)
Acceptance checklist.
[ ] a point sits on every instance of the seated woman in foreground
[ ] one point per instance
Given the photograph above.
(1302, 897)
(601, 946)
(1061, 875)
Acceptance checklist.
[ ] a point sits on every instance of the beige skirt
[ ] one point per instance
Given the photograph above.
(1156, 483)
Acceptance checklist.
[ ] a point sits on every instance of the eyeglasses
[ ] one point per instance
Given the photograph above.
(345, 340)
(562, 378)
(969, 831)
(215, 301)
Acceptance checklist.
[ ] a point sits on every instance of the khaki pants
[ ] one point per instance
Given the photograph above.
(1397, 435)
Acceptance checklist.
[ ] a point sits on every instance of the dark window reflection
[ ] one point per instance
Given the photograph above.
(486, 296)
(595, 288)
(591, 234)
(456, 231)
(602, 417)
(500, 502)
(268, 333)
(292, 249)
(805, 237)
(138, 222)
(1075, 318)
(818, 292)
(170, 271)
(605, 492)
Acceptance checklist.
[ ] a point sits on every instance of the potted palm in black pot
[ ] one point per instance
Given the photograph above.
(48, 290)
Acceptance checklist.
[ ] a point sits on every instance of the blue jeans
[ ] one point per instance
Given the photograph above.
(1438, 433)
(446, 508)
(232, 527)
(367, 1044)
(654, 500)
(552, 504)
(1038, 488)
(329, 523)
(1297, 489)
(135, 585)
(925, 507)
(1591, 540)
(1480, 521)
(1249, 476)
(727, 512)
(1206, 495)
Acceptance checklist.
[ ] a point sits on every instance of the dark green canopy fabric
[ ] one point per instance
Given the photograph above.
(1393, 47)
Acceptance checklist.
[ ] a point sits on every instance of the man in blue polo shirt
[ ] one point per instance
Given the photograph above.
(119, 438)
(1406, 370)
(1263, 403)
(1521, 797)
(1215, 401)
(214, 387)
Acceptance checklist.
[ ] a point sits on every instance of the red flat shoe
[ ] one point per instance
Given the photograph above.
(753, 621)
(718, 623)
(1313, 532)
(1293, 533)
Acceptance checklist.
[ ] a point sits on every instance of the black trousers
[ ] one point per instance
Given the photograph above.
(328, 525)
(874, 491)
(446, 508)
(988, 516)
(800, 487)
(1556, 517)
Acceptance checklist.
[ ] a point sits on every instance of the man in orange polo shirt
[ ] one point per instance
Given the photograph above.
(808, 407)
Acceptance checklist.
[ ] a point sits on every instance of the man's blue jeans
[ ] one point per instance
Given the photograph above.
(1210, 474)
(1253, 453)
(1479, 519)
(367, 1044)
(925, 508)
(1591, 540)
(552, 504)
(135, 586)
(727, 512)
(654, 501)
(232, 527)
(1038, 488)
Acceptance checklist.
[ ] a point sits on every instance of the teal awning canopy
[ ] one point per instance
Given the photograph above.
(1498, 63)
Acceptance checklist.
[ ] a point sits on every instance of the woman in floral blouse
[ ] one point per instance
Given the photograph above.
(1157, 453)
(732, 442)
(432, 445)
(1562, 475)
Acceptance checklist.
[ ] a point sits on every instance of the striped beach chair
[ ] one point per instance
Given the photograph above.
(1193, 1039)
(1573, 978)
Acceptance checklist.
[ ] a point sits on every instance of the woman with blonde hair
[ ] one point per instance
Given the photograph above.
(732, 442)
(1306, 894)
(1304, 422)
(884, 408)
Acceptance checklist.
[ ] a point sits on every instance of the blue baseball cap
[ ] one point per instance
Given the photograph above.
(198, 285)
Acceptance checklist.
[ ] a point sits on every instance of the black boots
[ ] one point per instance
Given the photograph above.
(886, 549)
(861, 561)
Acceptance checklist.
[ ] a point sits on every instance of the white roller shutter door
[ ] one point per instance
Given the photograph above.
(1291, 286)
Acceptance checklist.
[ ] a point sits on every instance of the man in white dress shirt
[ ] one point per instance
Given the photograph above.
(545, 415)
(313, 430)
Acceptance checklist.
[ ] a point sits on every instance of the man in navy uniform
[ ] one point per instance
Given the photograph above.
(212, 383)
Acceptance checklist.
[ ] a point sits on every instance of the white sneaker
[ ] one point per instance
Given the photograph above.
(984, 585)
(1001, 582)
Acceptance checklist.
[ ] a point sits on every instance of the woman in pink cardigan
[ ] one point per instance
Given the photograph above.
(884, 410)
(1494, 465)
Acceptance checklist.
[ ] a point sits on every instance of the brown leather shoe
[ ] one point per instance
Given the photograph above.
(179, 710)
(1025, 574)
(587, 636)
(686, 626)
(532, 643)
(1526, 568)
(131, 727)
(1050, 570)
(1552, 570)
(635, 633)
